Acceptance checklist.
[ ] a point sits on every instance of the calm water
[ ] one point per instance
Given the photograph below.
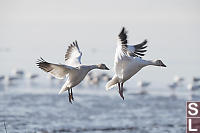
(38, 108)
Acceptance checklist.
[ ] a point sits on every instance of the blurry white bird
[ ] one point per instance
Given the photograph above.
(193, 87)
(195, 79)
(32, 76)
(178, 79)
(105, 77)
(92, 79)
(18, 72)
(173, 86)
(73, 69)
(128, 61)
(143, 84)
(96, 78)
(11, 79)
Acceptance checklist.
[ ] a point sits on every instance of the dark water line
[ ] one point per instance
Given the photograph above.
(106, 129)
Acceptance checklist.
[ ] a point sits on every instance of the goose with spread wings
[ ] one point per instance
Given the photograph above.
(72, 69)
(128, 61)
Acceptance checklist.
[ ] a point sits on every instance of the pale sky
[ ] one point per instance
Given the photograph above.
(34, 28)
(91, 10)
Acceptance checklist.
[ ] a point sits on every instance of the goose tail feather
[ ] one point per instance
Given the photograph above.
(111, 83)
(64, 88)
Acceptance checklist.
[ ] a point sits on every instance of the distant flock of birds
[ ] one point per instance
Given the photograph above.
(94, 78)
(178, 82)
(17, 74)
(128, 61)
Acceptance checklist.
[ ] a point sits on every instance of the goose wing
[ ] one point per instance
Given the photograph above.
(130, 50)
(57, 70)
(125, 52)
(73, 55)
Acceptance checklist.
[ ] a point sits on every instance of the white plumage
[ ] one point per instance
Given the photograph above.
(73, 55)
(128, 61)
(73, 69)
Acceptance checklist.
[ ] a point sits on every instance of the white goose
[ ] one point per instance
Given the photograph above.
(128, 61)
(73, 69)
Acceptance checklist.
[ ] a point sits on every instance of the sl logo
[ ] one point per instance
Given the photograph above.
(193, 117)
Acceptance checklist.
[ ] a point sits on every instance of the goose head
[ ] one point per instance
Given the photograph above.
(103, 67)
(159, 63)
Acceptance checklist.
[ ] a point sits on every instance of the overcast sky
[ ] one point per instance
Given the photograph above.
(33, 28)
(87, 10)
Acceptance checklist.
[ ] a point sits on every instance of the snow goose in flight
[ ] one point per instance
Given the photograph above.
(128, 61)
(73, 69)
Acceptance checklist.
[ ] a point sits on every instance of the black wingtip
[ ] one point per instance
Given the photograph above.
(123, 31)
(75, 43)
(44, 65)
(40, 60)
(123, 36)
(123, 28)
